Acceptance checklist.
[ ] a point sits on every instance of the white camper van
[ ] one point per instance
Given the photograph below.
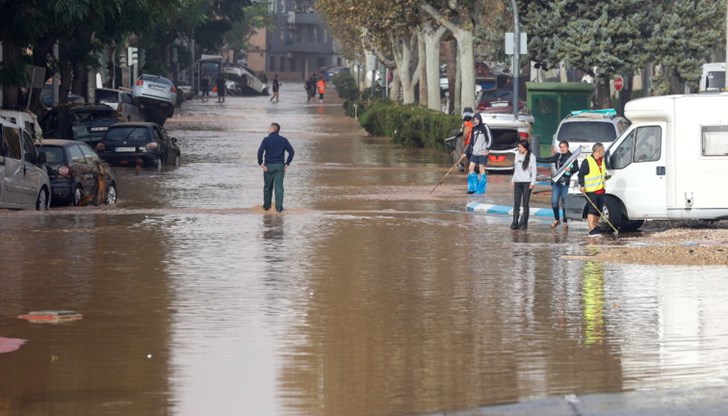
(671, 163)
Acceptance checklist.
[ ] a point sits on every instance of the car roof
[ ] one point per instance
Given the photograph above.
(57, 142)
(133, 124)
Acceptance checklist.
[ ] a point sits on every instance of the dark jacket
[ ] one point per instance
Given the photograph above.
(481, 128)
(274, 147)
(558, 160)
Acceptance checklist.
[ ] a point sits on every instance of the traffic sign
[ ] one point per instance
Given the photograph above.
(618, 83)
(132, 55)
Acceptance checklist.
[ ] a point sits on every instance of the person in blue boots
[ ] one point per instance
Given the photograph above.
(477, 154)
(274, 147)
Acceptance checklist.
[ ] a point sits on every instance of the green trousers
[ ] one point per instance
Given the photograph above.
(273, 178)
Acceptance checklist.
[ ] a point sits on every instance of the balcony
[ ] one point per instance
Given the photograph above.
(297, 18)
(308, 47)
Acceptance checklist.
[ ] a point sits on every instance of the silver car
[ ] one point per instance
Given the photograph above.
(24, 181)
(155, 91)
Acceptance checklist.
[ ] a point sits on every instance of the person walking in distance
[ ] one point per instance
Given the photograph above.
(560, 188)
(321, 87)
(311, 88)
(220, 84)
(272, 159)
(205, 87)
(276, 88)
(592, 176)
(477, 153)
(522, 183)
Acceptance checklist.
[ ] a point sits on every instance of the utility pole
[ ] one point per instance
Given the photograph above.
(516, 56)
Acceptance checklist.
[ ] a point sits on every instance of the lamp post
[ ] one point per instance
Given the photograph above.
(516, 56)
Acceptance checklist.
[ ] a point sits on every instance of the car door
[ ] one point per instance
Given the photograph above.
(82, 170)
(642, 182)
(32, 173)
(93, 166)
(13, 175)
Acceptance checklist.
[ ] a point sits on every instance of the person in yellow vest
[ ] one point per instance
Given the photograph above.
(592, 175)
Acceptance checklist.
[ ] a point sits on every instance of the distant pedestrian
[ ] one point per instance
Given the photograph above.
(477, 153)
(310, 87)
(560, 188)
(522, 183)
(321, 87)
(220, 84)
(276, 88)
(273, 148)
(592, 177)
(205, 87)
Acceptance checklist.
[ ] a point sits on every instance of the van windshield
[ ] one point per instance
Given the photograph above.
(587, 131)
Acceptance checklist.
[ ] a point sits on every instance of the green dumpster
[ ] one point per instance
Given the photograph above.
(549, 102)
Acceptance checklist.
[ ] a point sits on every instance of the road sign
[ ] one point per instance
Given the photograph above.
(133, 55)
(618, 83)
(511, 46)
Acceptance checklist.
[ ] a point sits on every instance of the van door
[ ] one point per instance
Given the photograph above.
(11, 149)
(637, 165)
(33, 174)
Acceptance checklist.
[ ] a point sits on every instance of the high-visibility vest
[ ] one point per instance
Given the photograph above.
(594, 181)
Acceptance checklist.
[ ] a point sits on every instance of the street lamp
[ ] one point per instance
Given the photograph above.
(516, 56)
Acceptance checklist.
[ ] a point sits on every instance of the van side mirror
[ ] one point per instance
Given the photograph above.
(608, 159)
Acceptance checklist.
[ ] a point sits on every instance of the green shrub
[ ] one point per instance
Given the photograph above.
(345, 85)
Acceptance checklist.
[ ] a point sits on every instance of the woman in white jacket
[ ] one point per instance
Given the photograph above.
(522, 183)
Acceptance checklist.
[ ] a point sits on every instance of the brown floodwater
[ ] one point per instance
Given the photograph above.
(367, 296)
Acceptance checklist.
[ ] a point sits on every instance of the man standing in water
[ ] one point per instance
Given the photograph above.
(274, 147)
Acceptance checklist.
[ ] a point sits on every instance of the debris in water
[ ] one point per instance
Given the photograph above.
(10, 344)
(51, 316)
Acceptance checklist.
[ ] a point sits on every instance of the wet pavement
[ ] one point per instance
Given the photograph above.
(366, 296)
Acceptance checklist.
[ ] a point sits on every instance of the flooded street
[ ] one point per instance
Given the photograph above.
(366, 296)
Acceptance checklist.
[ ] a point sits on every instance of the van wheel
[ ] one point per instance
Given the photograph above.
(611, 211)
(41, 204)
(77, 195)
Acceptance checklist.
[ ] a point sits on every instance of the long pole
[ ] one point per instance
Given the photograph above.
(448, 172)
(516, 56)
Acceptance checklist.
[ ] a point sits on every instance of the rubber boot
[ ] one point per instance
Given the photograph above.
(482, 184)
(523, 224)
(472, 182)
(514, 224)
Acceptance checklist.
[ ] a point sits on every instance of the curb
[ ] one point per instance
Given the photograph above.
(505, 209)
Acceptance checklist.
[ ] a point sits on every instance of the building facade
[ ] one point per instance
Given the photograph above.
(296, 45)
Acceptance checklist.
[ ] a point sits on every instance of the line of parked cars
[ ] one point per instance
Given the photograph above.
(65, 158)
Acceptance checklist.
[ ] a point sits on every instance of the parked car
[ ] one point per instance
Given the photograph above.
(156, 92)
(85, 123)
(586, 127)
(120, 100)
(139, 145)
(76, 172)
(24, 182)
(186, 90)
(498, 101)
(46, 97)
(26, 119)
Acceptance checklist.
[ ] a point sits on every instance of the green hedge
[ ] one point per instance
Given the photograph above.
(409, 125)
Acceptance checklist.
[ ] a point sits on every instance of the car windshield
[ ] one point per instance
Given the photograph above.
(131, 135)
(107, 96)
(87, 116)
(54, 154)
(587, 131)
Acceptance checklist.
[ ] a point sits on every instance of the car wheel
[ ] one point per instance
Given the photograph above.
(612, 212)
(629, 226)
(41, 204)
(111, 194)
(77, 195)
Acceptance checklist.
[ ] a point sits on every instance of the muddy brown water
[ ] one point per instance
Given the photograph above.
(367, 296)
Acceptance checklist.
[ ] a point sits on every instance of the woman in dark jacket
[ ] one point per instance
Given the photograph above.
(560, 188)
(477, 154)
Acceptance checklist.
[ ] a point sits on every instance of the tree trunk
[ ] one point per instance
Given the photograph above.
(467, 67)
(432, 60)
(80, 77)
(625, 95)
(421, 56)
(396, 87)
(602, 89)
(403, 56)
(11, 58)
(452, 59)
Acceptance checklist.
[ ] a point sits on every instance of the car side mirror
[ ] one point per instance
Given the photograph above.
(41, 159)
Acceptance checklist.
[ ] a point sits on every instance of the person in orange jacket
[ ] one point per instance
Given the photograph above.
(321, 87)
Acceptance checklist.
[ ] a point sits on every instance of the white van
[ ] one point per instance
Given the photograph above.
(24, 180)
(712, 78)
(26, 119)
(671, 164)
